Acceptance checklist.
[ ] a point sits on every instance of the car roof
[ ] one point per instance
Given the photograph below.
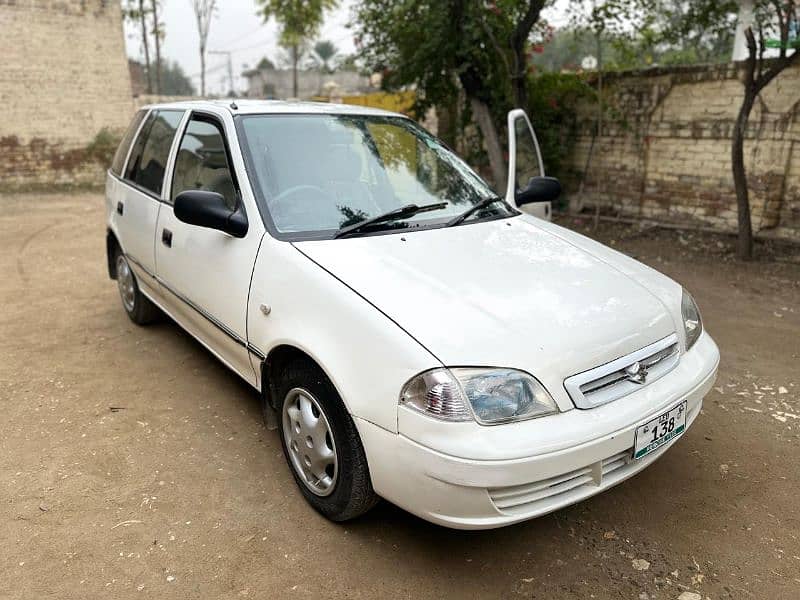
(239, 106)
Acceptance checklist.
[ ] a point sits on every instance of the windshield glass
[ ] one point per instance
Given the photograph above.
(319, 173)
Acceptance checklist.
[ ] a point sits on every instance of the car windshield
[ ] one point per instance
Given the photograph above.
(319, 173)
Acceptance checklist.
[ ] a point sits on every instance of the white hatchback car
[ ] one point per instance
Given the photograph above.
(414, 336)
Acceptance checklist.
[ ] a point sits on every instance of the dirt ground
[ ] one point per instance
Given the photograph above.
(134, 465)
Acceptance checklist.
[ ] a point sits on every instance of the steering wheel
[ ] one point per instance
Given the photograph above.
(308, 204)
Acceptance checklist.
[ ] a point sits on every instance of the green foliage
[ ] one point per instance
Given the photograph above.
(567, 47)
(433, 45)
(299, 20)
(640, 33)
(265, 63)
(552, 108)
(351, 62)
(324, 53)
(174, 81)
(102, 148)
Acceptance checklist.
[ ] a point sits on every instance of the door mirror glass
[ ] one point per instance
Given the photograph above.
(209, 209)
(539, 189)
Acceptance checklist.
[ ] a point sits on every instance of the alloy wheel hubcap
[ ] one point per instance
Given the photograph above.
(309, 440)
(125, 282)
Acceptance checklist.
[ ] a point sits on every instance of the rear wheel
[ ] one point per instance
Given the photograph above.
(321, 444)
(138, 307)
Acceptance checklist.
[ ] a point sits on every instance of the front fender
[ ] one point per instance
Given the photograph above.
(366, 355)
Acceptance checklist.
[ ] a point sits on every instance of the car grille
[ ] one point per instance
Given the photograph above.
(611, 381)
(522, 499)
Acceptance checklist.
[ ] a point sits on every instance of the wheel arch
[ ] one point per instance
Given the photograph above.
(277, 359)
(112, 245)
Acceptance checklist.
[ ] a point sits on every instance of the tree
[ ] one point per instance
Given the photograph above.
(324, 53)
(299, 21)
(770, 17)
(174, 80)
(703, 28)
(450, 45)
(158, 34)
(265, 63)
(203, 13)
(134, 11)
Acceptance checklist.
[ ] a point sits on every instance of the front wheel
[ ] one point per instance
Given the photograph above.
(321, 445)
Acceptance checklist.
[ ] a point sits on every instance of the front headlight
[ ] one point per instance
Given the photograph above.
(692, 324)
(490, 396)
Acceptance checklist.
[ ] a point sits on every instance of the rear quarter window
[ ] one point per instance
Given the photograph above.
(122, 150)
(148, 159)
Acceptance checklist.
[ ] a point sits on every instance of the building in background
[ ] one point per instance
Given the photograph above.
(268, 82)
(65, 90)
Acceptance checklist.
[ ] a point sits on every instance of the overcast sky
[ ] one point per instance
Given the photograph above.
(237, 29)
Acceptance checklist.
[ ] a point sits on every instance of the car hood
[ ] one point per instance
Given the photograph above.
(508, 293)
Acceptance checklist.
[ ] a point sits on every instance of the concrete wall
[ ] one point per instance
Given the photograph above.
(63, 78)
(665, 150)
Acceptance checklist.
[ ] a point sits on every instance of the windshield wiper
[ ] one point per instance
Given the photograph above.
(488, 201)
(404, 212)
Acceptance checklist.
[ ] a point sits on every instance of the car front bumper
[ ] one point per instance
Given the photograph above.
(483, 477)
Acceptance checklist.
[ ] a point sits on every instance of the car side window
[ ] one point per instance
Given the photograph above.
(148, 160)
(202, 162)
(122, 150)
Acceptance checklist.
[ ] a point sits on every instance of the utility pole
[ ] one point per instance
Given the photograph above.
(229, 54)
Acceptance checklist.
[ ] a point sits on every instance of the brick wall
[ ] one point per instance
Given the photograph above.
(63, 77)
(665, 149)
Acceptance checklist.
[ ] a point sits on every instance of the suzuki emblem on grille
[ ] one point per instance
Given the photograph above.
(637, 372)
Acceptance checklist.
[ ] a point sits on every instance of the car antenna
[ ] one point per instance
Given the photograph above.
(233, 105)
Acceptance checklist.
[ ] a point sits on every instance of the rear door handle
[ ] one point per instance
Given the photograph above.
(120, 208)
(166, 238)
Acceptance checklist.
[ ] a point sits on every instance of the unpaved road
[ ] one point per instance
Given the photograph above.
(133, 465)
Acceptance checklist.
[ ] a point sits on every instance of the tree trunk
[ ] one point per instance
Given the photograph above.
(483, 118)
(202, 70)
(520, 83)
(157, 35)
(744, 244)
(295, 60)
(146, 47)
(519, 77)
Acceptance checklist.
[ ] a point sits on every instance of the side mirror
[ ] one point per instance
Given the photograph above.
(208, 209)
(539, 189)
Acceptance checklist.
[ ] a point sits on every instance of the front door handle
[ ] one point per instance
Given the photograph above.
(120, 208)
(166, 238)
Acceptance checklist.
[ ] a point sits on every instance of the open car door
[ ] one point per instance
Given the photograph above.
(528, 188)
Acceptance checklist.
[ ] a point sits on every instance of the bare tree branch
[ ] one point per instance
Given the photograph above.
(203, 12)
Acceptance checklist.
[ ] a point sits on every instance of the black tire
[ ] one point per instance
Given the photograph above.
(352, 494)
(138, 307)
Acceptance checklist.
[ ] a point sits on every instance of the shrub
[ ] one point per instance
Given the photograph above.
(103, 146)
(552, 108)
